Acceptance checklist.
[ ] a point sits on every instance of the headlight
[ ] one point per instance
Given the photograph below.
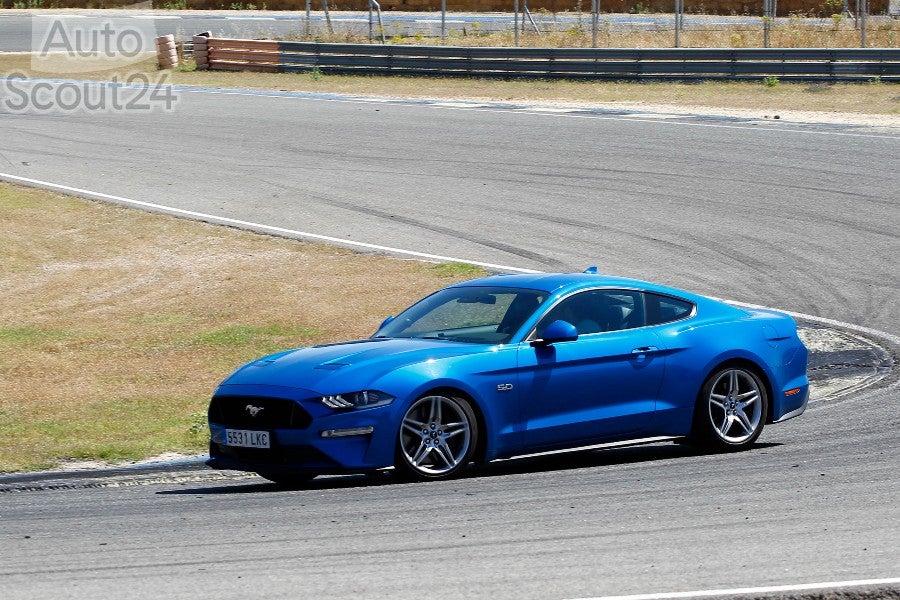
(364, 399)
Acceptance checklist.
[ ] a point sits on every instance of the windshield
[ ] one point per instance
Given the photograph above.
(481, 315)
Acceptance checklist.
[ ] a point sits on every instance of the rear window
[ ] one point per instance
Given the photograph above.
(665, 309)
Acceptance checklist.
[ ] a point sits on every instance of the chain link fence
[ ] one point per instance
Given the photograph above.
(591, 23)
(760, 24)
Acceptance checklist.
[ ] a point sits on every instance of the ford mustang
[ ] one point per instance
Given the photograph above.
(509, 365)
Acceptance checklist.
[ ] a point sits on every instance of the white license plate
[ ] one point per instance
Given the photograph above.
(244, 438)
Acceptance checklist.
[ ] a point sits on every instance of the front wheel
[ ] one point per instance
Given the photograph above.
(731, 409)
(437, 438)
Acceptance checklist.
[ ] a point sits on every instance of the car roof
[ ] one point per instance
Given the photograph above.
(568, 282)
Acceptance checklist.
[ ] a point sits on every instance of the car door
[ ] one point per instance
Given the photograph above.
(600, 386)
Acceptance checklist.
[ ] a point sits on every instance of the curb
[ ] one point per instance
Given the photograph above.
(187, 464)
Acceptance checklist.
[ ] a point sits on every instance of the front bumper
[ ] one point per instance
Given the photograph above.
(297, 443)
(293, 453)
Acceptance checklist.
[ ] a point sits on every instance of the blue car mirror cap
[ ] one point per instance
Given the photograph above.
(592, 270)
(385, 322)
(557, 331)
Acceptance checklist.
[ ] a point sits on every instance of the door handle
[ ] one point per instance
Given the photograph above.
(645, 350)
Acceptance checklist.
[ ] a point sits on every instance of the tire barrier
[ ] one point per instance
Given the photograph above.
(800, 64)
(166, 52)
(201, 50)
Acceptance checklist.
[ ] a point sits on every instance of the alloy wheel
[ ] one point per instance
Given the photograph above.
(437, 436)
(736, 406)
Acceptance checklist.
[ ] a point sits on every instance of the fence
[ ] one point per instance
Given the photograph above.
(600, 23)
(571, 63)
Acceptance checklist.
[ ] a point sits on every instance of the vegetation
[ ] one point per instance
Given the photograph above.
(794, 32)
(117, 325)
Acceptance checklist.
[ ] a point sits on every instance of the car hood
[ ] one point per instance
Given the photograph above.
(332, 367)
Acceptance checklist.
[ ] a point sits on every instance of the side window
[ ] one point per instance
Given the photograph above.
(624, 309)
(595, 311)
(665, 309)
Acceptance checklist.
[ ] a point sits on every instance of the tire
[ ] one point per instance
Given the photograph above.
(288, 480)
(731, 409)
(437, 438)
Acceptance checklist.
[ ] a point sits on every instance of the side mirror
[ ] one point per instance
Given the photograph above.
(557, 331)
(385, 322)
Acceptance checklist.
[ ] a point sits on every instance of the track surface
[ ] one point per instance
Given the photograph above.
(804, 506)
(797, 217)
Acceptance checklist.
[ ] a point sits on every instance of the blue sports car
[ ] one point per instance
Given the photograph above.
(509, 365)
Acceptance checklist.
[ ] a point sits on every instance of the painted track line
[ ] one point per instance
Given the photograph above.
(258, 227)
(826, 585)
(292, 233)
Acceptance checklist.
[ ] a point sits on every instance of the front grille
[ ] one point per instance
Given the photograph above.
(254, 412)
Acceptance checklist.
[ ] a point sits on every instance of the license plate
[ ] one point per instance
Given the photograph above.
(243, 438)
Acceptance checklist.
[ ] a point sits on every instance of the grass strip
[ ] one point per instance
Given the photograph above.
(116, 325)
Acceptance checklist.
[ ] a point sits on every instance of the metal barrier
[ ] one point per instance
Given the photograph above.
(810, 64)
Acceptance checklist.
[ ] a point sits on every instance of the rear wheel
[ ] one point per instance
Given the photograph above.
(290, 480)
(731, 410)
(437, 438)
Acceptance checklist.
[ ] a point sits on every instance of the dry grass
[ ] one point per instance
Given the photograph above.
(796, 31)
(99, 69)
(791, 33)
(117, 325)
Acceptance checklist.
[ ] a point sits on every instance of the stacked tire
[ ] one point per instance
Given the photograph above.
(201, 50)
(166, 52)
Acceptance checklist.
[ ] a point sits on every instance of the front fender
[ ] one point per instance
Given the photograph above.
(487, 380)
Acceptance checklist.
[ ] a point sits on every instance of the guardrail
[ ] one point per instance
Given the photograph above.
(809, 64)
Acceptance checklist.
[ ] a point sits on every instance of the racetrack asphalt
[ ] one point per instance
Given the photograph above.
(798, 217)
